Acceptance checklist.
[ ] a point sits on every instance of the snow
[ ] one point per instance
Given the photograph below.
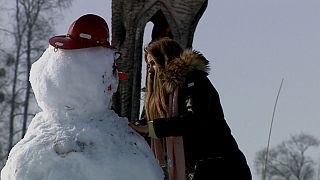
(77, 136)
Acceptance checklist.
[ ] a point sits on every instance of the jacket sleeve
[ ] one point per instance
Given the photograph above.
(199, 111)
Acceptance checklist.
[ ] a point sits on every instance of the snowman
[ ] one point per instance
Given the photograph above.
(77, 136)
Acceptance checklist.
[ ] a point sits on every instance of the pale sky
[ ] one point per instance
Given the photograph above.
(252, 45)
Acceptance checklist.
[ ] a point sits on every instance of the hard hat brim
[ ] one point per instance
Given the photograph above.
(65, 42)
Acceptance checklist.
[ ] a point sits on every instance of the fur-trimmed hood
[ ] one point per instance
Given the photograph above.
(175, 73)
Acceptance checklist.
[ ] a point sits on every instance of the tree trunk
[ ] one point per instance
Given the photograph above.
(30, 23)
(18, 40)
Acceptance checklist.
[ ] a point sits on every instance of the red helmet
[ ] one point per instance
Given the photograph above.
(88, 31)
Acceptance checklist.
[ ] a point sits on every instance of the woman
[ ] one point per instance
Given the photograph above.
(181, 101)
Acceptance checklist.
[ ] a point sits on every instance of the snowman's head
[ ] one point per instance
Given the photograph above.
(77, 73)
(79, 81)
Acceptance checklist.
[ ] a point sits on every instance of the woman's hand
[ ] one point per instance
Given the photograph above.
(142, 130)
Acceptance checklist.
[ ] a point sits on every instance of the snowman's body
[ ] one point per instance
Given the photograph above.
(76, 136)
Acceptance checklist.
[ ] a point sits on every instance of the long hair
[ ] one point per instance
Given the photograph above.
(156, 102)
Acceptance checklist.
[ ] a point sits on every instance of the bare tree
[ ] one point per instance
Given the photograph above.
(2, 99)
(32, 26)
(34, 19)
(6, 63)
(288, 160)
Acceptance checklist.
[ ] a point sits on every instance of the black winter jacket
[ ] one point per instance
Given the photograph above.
(201, 122)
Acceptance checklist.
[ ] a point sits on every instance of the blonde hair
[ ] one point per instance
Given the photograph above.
(156, 101)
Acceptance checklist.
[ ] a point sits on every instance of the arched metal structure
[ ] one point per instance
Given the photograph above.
(177, 19)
